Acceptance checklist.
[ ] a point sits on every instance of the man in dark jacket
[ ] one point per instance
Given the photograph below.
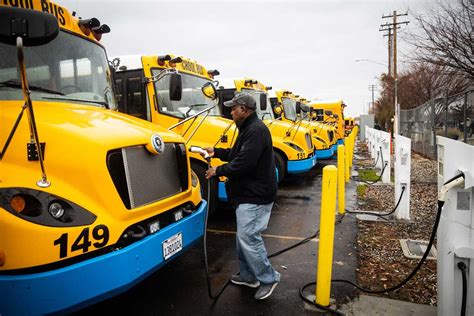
(252, 186)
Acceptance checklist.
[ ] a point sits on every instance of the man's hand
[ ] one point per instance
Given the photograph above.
(210, 151)
(211, 172)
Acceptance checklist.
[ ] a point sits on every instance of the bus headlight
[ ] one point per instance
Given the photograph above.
(56, 210)
(44, 208)
(194, 179)
(294, 146)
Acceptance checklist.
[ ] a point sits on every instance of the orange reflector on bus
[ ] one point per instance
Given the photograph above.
(18, 203)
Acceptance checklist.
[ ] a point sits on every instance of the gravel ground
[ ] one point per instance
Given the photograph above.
(381, 260)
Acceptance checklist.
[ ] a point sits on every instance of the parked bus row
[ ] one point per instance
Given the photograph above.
(97, 182)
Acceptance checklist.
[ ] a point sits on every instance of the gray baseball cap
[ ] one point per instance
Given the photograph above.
(242, 98)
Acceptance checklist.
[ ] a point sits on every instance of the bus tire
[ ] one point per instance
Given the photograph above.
(280, 165)
(200, 171)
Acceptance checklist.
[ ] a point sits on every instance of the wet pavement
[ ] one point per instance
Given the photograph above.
(180, 287)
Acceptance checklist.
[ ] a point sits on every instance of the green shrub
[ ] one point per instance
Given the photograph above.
(361, 188)
(368, 175)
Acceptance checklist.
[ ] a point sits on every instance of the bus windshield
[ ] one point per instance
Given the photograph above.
(289, 107)
(69, 68)
(262, 114)
(192, 100)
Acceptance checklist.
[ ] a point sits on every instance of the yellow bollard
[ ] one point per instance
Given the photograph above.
(341, 186)
(346, 159)
(351, 151)
(354, 135)
(354, 141)
(326, 235)
(348, 152)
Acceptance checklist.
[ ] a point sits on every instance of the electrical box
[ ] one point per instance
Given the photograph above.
(456, 228)
(402, 176)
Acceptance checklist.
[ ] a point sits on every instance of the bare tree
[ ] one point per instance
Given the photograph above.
(446, 38)
(423, 82)
(417, 85)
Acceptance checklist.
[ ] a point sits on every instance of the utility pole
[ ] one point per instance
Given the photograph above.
(372, 88)
(388, 27)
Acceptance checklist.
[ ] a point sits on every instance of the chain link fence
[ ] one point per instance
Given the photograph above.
(449, 116)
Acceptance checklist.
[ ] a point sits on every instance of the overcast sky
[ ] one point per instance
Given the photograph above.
(308, 47)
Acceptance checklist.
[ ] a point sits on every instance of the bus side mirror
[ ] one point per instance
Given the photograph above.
(328, 113)
(176, 87)
(34, 27)
(263, 102)
(209, 90)
(277, 109)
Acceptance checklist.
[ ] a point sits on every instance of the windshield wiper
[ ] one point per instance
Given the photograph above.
(16, 84)
(191, 107)
(105, 104)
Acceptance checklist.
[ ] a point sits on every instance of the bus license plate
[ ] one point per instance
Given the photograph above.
(173, 245)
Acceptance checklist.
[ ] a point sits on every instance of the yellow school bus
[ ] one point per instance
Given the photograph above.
(348, 125)
(324, 131)
(294, 150)
(143, 89)
(288, 105)
(91, 200)
(332, 111)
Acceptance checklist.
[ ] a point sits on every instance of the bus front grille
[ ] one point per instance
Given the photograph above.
(142, 178)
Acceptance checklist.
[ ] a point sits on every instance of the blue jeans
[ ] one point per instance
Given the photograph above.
(254, 265)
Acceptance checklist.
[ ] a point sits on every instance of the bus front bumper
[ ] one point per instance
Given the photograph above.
(325, 153)
(87, 282)
(300, 166)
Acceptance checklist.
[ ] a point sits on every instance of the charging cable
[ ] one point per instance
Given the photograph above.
(370, 167)
(205, 154)
(381, 215)
(462, 266)
(384, 163)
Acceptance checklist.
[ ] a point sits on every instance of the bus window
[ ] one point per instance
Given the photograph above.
(135, 98)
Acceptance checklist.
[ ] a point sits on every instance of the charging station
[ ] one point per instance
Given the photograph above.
(456, 229)
(384, 148)
(402, 176)
(372, 142)
(368, 138)
(376, 146)
(378, 149)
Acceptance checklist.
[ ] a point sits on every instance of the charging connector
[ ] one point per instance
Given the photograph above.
(456, 181)
(200, 150)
